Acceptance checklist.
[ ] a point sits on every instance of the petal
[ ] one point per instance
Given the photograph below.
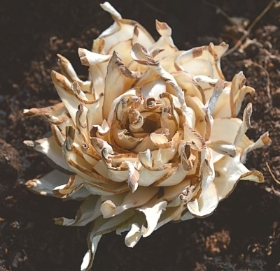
(118, 80)
(152, 211)
(88, 211)
(52, 151)
(170, 214)
(133, 236)
(71, 98)
(132, 200)
(65, 190)
(186, 216)
(100, 227)
(165, 42)
(97, 69)
(45, 184)
(203, 60)
(121, 31)
(221, 127)
(206, 203)
(188, 83)
(90, 254)
(55, 110)
(223, 147)
(68, 71)
(262, 141)
(228, 172)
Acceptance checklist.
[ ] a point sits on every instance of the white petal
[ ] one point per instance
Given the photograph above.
(206, 203)
(132, 200)
(49, 147)
(152, 212)
(133, 236)
(45, 184)
(87, 212)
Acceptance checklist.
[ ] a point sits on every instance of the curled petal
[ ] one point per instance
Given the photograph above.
(262, 141)
(100, 227)
(87, 212)
(152, 211)
(246, 124)
(65, 190)
(196, 141)
(206, 203)
(45, 184)
(57, 109)
(90, 58)
(229, 171)
(72, 100)
(51, 150)
(133, 176)
(165, 42)
(97, 70)
(125, 32)
(118, 79)
(203, 60)
(171, 213)
(133, 236)
(223, 147)
(68, 71)
(141, 196)
(190, 86)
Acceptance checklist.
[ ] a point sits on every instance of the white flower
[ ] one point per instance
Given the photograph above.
(152, 136)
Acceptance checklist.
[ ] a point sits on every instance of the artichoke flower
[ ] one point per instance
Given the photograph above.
(151, 137)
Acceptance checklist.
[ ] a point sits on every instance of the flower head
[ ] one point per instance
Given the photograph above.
(151, 137)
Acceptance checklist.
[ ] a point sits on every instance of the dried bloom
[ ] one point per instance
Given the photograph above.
(151, 137)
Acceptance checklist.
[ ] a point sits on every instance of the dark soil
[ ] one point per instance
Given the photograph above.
(244, 231)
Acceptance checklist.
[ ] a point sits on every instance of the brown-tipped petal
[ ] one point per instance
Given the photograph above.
(121, 35)
(97, 70)
(118, 79)
(65, 190)
(195, 140)
(56, 109)
(228, 172)
(64, 90)
(67, 69)
(221, 127)
(262, 141)
(223, 147)
(89, 58)
(206, 203)
(188, 83)
(141, 55)
(132, 200)
(165, 42)
(133, 176)
(219, 86)
(207, 57)
(44, 185)
(246, 124)
(51, 151)
(88, 211)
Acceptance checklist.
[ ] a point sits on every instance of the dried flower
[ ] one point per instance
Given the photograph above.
(151, 137)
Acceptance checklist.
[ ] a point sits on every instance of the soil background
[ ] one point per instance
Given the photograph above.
(242, 234)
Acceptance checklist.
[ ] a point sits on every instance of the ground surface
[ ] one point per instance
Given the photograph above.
(242, 234)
